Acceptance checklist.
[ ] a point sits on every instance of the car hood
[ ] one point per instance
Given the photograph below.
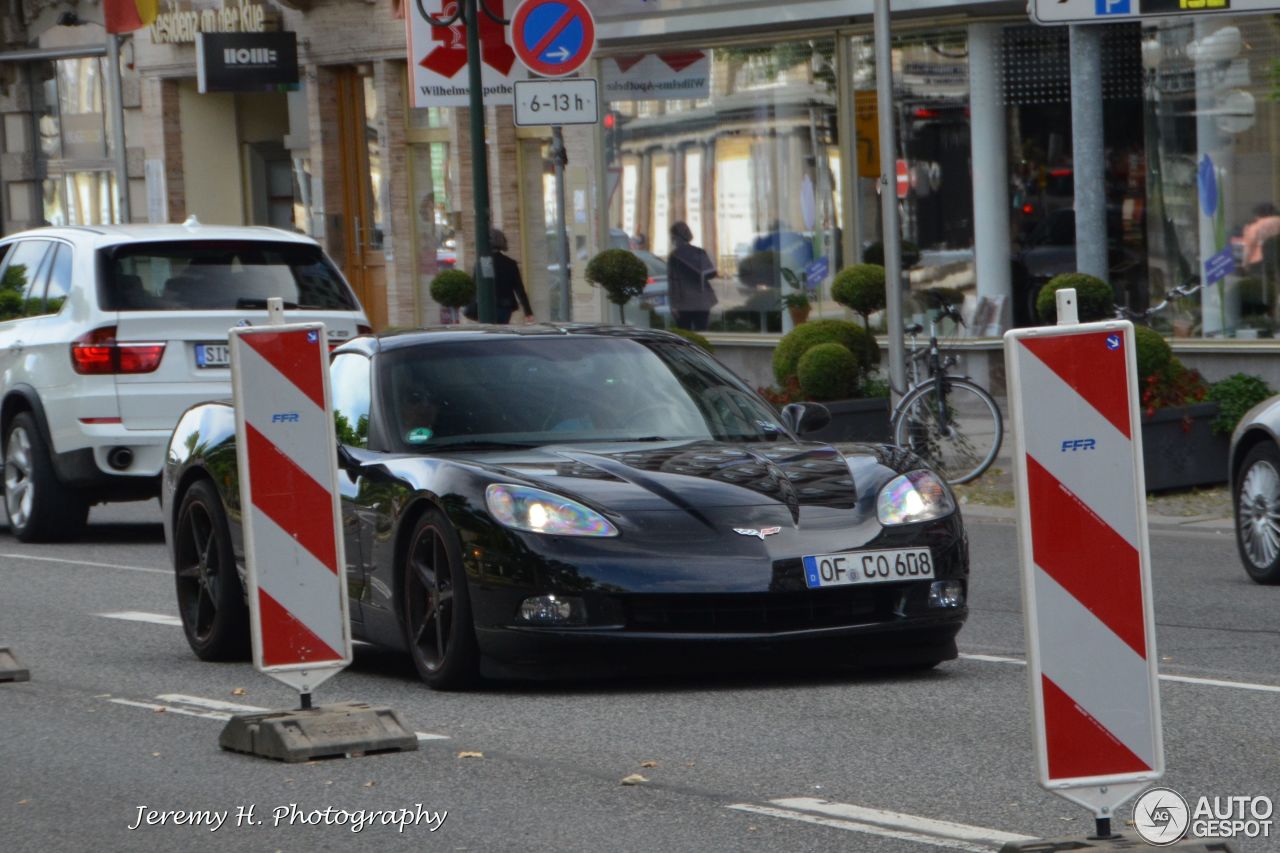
(700, 475)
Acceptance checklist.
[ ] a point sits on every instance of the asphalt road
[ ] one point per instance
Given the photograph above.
(120, 717)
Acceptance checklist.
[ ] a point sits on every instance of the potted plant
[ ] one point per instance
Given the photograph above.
(798, 306)
(621, 274)
(453, 289)
(860, 288)
(832, 362)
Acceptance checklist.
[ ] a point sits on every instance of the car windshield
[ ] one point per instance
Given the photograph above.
(182, 275)
(536, 390)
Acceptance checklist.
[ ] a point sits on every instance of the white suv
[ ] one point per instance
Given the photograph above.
(108, 333)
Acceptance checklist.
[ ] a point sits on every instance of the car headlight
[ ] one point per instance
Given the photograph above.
(915, 496)
(536, 511)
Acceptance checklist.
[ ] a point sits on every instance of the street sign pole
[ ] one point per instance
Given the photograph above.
(470, 14)
(889, 202)
(560, 157)
(485, 297)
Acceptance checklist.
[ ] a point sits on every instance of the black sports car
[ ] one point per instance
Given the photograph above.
(569, 495)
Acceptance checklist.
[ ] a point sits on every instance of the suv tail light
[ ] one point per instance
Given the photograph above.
(98, 352)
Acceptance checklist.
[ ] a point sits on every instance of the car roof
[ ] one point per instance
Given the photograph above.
(402, 338)
(108, 235)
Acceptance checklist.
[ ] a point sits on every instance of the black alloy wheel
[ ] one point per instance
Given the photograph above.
(215, 617)
(1257, 509)
(436, 606)
(40, 507)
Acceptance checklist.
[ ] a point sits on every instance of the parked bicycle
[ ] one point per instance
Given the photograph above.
(948, 420)
(1189, 288)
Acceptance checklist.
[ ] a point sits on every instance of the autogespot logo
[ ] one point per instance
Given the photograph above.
(1161, 816)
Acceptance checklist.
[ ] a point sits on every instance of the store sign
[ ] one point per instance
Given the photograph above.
(246, 62)
(1113, 11)
(438, 56)
(181, 24)
(657, 76)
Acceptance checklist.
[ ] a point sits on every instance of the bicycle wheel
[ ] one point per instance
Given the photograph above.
(958, 436)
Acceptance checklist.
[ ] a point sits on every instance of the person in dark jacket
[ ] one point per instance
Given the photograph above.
(689, 274)
(508, 287)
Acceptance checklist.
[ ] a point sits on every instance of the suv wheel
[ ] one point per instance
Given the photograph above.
(40, 508)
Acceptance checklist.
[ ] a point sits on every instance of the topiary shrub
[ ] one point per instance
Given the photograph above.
(828, 372)
(860, 288)
(1235, 396)
(1095, 300)
(453, 288)
(693, 338)
(621, 274)
(1153, 352)
(874, 254)
(794, 344)
(761, 269)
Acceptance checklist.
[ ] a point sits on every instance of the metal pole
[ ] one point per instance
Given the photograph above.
(1088, 154)
(889, 200)
(479, 169)
(117, 127)
(561, 157)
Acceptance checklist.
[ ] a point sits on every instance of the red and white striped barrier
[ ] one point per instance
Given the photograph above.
(287, 458)
(1082, 529)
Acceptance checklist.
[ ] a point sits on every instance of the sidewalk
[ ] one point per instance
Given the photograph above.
(991, 496)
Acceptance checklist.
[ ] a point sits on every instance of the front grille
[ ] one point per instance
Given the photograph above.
(767, 612)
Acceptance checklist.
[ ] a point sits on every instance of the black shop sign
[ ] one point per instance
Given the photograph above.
(246, 62)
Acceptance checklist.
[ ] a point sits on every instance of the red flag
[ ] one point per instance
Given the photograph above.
(125, 16)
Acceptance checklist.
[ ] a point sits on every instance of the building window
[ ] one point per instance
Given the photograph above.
(740, 144)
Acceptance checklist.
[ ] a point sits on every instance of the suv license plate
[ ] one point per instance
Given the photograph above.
(213, 355)
(863, 567)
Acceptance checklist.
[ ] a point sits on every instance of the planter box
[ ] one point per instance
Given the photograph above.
(854, 420)
(1179, 450)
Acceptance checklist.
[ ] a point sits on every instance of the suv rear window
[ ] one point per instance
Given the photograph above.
(220, 274)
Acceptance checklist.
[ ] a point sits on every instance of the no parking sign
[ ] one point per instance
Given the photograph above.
(553, 38)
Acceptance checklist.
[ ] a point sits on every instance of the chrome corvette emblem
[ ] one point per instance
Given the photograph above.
(761, 533)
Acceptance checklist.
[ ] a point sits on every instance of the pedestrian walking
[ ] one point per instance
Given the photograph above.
(689, 274)
(508, 286)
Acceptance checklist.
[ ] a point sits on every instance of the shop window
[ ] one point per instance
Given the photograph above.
(1211, 113)
(739, 146)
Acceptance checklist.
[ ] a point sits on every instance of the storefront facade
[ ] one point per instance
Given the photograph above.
(752, 122)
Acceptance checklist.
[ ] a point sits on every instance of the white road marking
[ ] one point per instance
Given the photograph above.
(853, 826)
(168, 709)
(139, 616)
(898, 820)
(217, 709)
(1180, 679)
(211, 704)
(87, 563)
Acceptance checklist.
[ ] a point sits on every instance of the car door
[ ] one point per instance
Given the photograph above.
(349, 382)
(24, 274)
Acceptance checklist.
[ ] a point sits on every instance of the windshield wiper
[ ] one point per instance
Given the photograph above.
(261, 302)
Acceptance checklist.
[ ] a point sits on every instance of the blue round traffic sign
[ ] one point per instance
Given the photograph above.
(553, 37)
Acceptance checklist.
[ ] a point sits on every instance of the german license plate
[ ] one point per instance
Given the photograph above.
(213, 355)
(863, 567)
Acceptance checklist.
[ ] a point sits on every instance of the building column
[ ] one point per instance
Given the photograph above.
(401, 302)
(989, 152)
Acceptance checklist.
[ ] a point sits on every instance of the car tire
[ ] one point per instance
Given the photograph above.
(1257, 510)
(211, 602)
(40, 507)
(435, 605)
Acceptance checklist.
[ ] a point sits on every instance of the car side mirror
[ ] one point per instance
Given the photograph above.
(805, 417)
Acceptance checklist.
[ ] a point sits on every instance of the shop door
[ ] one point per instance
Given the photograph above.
(364, 263)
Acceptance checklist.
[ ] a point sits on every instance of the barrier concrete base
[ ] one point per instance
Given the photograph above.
(10, 670)
(1121, 841)
(325, 731)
